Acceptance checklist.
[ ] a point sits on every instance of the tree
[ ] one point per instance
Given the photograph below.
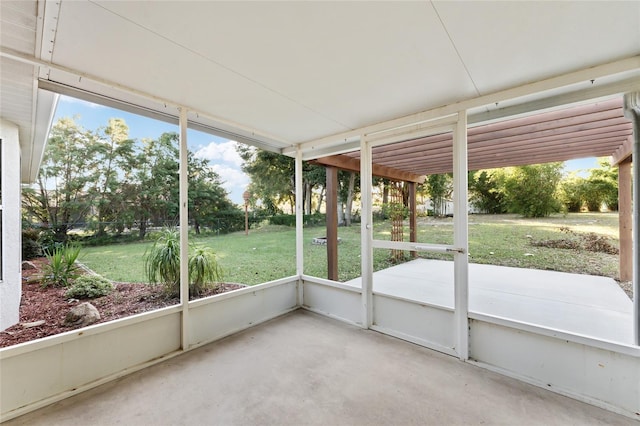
(572, 192)
(487, 191)
(602, 186)
(440, 188)
(154, 184)
(115, 161)
(207, 197)
(314, 177)
(273, 179)
(531, 190)
(69, 167)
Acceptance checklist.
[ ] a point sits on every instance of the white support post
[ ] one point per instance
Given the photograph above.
(461, 236)
(636, 228)
(184, 229)
(299, 225)
(366, 185)
(632, 112)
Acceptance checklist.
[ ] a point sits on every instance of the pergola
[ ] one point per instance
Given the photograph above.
(392, 89)
(595, 129)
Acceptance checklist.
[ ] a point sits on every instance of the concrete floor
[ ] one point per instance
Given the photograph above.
(307, 369)
(581, 304)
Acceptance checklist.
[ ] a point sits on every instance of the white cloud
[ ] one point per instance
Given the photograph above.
(231, 176)
(217, 152)
(234, 180)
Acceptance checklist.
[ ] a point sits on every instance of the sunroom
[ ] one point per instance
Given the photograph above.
(387, 89)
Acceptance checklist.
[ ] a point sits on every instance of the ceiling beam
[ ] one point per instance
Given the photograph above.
(353, 165)
(597, 91)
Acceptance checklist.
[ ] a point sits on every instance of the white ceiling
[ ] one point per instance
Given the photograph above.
(289, 72)
(303, 70)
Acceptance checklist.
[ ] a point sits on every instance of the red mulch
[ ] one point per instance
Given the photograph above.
(49, 304)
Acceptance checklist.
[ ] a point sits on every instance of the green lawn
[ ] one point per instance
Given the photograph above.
(269, 252)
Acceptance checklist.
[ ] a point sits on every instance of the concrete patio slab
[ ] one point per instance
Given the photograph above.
(580, 304)
(303, 368)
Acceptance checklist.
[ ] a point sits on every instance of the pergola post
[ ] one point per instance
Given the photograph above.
(184, 228)
(413, 216)
(625, 218)
(332, 223)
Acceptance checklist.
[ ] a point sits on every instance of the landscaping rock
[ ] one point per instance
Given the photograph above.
(29, 266)
(33, 279)
(322, 241)
(82, 315)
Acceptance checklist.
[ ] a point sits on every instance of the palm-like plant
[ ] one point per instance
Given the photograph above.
(162, 262)
(203, 270)
(162, 265)
(62, 268)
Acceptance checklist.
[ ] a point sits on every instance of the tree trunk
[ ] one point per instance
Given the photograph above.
(101, 227)
(340, 212)
(351, 188)
(385, 194)
(320, 200)
(142, 231)
(307, 198)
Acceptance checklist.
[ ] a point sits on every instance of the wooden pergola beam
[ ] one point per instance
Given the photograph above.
(623, 153)
(344, 162)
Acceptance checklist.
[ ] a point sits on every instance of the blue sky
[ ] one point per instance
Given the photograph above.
(220, 152)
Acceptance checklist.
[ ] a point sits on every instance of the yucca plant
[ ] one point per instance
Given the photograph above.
(62, 268)
(162, 262)
(204, 270)
(162, 265)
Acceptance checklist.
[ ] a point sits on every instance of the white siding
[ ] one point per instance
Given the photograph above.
(10, 282)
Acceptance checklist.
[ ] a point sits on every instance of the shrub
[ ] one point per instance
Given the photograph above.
(162, 262)
(62, 268)
(89, 287)
(48, 240)
(203, 270)
(531, 190)
(283, 219)
(162, 265)
(31, 248)
(314, 219)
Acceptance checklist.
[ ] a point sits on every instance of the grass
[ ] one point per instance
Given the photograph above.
(269, 252)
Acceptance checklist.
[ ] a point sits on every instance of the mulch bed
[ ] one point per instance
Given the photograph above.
(51, 306)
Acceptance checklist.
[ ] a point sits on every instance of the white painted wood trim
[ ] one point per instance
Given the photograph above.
(184, 227)
(366, 226)
(299, 225)
(461, 236)
(582, 339)
(249, 289)
(329, 283)
(91, 330)
(417, 341)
